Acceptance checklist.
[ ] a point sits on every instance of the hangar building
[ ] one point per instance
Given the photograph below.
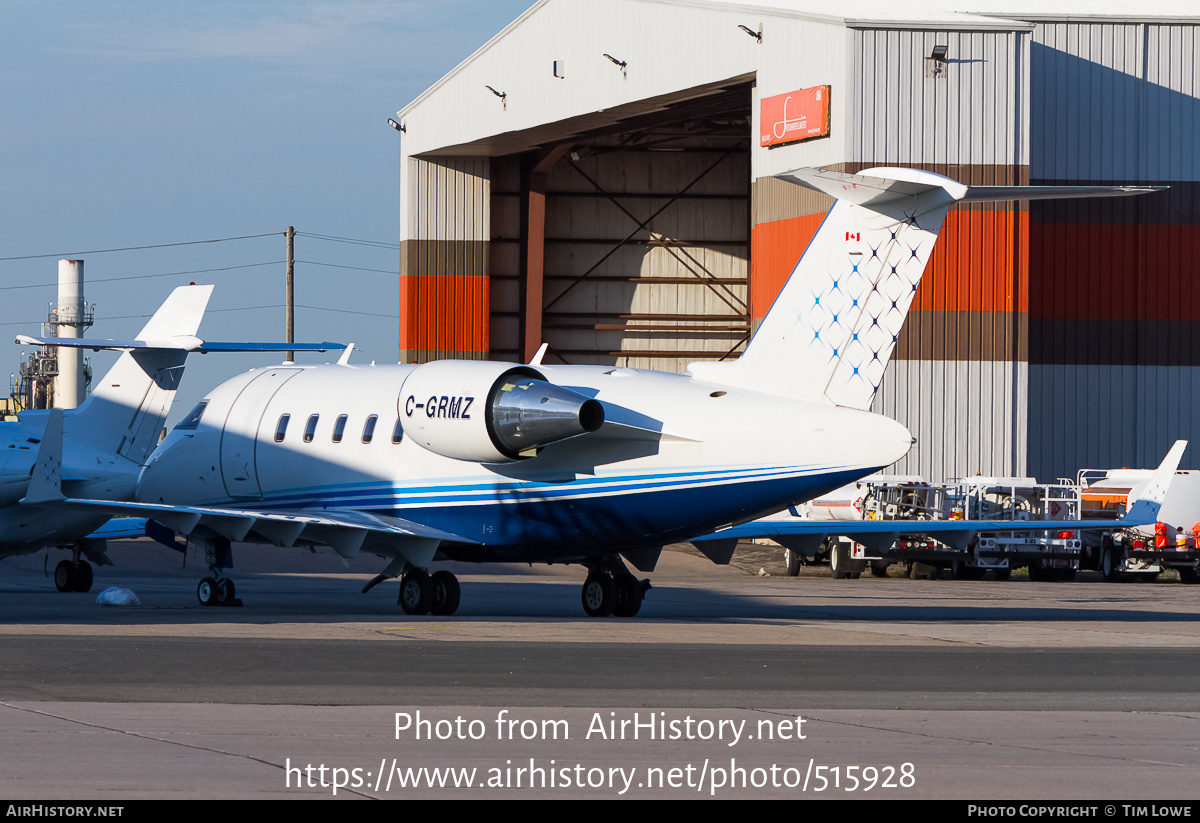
(598, 176)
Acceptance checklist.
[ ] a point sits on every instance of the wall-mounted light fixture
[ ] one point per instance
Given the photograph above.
(503, 95)
(757, 35)
(395, 125)
(935, 63)
(620, 64)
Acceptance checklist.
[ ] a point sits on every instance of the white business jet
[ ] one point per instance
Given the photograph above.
(486, 461)
(98, 450)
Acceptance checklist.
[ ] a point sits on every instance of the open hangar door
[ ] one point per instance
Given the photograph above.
(629, 244)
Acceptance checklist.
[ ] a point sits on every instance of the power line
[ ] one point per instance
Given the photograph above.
(347, 311)
(355, 268)
(139, 248)
(330, 237)
(144, 276)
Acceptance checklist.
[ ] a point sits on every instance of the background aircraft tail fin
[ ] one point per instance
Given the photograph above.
(1144, 508)
(125, 413)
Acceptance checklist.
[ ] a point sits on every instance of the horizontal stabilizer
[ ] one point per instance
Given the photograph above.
(180, 343)
(989, 194)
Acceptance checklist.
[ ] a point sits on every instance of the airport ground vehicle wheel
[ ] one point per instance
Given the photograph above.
(1109, 562)
(416, 592)
(1188, 576)
(792, 561)
(629, 595)
(1002, 574)
(226, 591)
(206, 592)
(923, 571)
(959, 570)
(840, 564)
(599, 594)
(879, 568)
(1149, 577)
(64, 576)
(83, 577)
(446, 593)
(1067, 575)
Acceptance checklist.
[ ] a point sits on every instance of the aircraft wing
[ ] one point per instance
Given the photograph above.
(879, 534)
(345, 531)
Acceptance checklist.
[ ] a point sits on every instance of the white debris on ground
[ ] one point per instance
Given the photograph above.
(117, 596)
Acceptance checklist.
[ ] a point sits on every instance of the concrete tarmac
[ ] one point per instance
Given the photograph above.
(728, 684)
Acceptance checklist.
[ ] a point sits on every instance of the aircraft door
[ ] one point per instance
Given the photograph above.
(239, 437)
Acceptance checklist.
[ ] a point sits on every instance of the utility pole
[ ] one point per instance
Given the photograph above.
(290, 296)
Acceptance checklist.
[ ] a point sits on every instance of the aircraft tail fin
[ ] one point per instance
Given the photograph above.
(1145, 507)
(832, 329)
(125, 413)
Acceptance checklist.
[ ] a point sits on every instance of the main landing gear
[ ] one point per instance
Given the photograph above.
(611, 589)
(217, 590)
(73, 576)
(424, 593)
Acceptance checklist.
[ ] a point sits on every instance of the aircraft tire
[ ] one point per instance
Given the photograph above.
(64, 576)
(629, 595)
(206, 592)
(792, 561)
(446, 593)
(1188, 576)
(83, 577)
(226, 591)
(599, 595)
(416, 593)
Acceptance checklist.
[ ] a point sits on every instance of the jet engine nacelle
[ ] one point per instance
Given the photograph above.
(490, 412)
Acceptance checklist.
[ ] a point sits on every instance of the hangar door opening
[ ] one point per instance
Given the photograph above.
(627, 245)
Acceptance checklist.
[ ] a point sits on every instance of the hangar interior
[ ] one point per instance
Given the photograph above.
(597, 178)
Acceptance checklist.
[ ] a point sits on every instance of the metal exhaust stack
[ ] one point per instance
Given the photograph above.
(70, 320)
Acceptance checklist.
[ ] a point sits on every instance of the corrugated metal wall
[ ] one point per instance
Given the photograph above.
(1114, 343)
(957, 378)
(444, 259)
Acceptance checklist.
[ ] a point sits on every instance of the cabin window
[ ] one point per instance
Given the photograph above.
(398, 431)
(310, 428)
(339, 428)
(192, 421)
(281, 427)
(369, 428)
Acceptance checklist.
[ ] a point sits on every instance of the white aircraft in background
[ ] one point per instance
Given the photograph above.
(493, 462)
(98, 450)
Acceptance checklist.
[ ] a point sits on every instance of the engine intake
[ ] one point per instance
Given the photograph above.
(491, 412)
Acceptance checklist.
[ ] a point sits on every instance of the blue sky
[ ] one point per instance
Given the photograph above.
(141, 123)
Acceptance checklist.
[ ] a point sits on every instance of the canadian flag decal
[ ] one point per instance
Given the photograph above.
(852, 236)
